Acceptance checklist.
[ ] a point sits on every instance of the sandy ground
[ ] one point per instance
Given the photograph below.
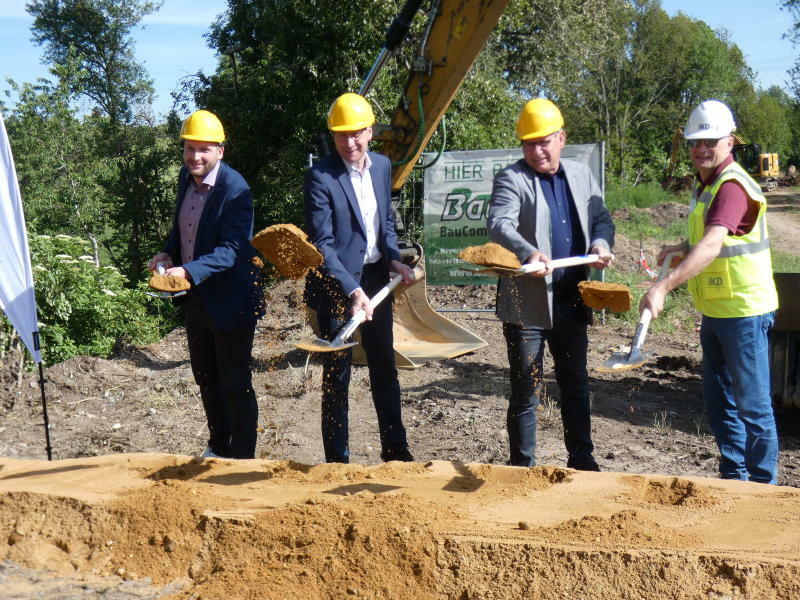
(113, 518)
(276, 529)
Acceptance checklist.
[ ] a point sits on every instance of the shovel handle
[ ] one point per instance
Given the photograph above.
(646, 316)
(350, 327)
(570, 261)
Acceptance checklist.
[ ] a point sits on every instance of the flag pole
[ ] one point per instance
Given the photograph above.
(48, 447)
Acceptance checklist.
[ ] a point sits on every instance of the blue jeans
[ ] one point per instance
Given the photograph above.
(736, 390)
(568, 342)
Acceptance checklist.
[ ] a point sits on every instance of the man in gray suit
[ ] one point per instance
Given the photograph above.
(542, 208)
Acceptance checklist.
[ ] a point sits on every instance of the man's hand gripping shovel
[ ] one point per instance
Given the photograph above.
(636, 357)
(348, 329)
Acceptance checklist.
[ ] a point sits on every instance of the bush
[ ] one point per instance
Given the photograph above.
(83, 308)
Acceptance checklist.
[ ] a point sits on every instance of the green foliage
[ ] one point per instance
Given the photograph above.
(57, 160)
(621, 194)
(83, 308)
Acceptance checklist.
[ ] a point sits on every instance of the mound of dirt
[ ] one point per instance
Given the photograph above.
(193, 528)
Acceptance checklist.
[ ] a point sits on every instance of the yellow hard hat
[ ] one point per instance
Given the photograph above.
(203, 126)
(350, 112)
(538, 118)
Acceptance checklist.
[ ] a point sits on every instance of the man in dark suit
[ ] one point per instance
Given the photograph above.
(544, 207)
(210, 241)
(349, 218)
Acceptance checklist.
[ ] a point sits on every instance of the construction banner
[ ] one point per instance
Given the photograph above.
(17, 299)
(456, 202)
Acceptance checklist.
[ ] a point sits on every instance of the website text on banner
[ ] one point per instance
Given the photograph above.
(456, 200)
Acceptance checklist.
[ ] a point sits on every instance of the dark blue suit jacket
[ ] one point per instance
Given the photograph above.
(334, 225)
(223, 275)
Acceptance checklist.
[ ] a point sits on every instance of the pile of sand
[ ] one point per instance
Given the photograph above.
(287, 247)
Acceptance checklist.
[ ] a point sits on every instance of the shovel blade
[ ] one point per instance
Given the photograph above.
(319, 345)
(625, 361)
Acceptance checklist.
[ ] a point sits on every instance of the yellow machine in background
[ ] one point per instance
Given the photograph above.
(762, 166)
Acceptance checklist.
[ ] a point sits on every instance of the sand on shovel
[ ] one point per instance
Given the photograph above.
(604, 295)
(168, 283)
(490, 255)
(287, 247)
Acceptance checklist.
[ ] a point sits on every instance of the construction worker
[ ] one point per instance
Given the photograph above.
(209, 245)
(728, 266)
(544, 207)
(349, 218)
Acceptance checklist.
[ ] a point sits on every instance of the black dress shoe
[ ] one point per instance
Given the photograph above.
(401, 454)
(583, 463)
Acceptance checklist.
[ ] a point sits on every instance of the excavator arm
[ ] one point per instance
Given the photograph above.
(455, 33)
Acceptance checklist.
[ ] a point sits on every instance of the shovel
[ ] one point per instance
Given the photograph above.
(533, 267)
(340, 341)
(622, 361)
(160, 269)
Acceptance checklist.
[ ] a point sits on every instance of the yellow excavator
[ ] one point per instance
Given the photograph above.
(762, 166)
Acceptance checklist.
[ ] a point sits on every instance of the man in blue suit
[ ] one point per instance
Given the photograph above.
(349, 219)
(210, 241)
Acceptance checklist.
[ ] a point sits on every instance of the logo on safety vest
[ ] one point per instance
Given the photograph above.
(714, 281)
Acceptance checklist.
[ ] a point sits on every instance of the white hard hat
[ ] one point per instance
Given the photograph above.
(711, 120)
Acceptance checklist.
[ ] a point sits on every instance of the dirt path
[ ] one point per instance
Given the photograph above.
(783, 220)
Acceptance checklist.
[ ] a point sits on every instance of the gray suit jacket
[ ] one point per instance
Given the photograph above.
(519, 220)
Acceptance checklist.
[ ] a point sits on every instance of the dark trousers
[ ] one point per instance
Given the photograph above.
(568, 342)
(221, 366)
(378, 343)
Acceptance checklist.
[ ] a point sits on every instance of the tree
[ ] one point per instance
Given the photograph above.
(133, 161)
(57, 162)
(96, 33)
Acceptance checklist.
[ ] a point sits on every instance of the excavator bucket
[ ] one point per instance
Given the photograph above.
(421, 335)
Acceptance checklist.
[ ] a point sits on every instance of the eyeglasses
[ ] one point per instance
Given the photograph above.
(706, 143)
(349, 135)
(540, 144)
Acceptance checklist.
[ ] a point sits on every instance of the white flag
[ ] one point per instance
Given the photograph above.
(17, 299)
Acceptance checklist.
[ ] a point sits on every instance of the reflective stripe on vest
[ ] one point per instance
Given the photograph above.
(738, 282)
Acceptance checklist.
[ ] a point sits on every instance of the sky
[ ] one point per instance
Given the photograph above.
(756, 26)
(171, 44)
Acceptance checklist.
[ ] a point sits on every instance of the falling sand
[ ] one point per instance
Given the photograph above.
(276, 529)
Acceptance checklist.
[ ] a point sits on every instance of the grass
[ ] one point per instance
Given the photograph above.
(638, 198)
(679, 314)
(644, 195)
(785, 263)
(662, 424)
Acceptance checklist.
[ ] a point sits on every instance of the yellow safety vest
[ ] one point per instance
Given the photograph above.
(738, 283)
